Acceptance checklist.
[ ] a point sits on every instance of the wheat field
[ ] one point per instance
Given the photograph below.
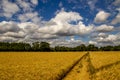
(100, 59)
(35, 65)
(106, 64)
(97, 66)
(59, 66)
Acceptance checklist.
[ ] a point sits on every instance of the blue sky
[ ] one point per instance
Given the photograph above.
(61, 22)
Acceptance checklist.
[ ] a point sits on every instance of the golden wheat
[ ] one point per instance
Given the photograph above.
(97, 66)
(35, 65)
(53, 65)
(107, 65)
(100, 59)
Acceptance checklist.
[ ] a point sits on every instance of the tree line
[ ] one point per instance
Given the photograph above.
(45, 47)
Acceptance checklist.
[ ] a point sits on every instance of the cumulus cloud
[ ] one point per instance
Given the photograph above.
(109, 39)
(103, 39)
(104, 28)
(101, 17)
(24, 5)
(8, 27)
(7, 39)
(58, 27)
(116, 2)
(30, 16)
(19, 34)
(67, 43)
(92, 42)
(35, 2)
(27, 31)
(63, 16)
(116, 20)
(32, 32)
(28, 27)
(62, 26)
(31, 27)
(10, 31)
(104, 35)
(8, 8)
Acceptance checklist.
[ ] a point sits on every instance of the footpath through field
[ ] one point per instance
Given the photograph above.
(82, 69)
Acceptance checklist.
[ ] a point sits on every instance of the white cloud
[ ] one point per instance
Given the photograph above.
(109, 39)
(9, 8)
(8, 27)
(104, 35)
(67, 43)
(63, 16)
(116, 20)
(26, 6)
(61, 25)
(57, 27)
(39, 36)
(30, 16)
(118, 9)
(101, 17)
(7, 39)
(28, 27)
(82, 29)
(32, 31)
(116, 2)
(10, 31)
(19, 34)
(104, 28)
(32, 28)
(106, 39)
(35, 2)
(92, 42)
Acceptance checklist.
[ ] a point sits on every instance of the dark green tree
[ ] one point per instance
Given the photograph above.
(44, 46)
(92, 47)
(36, 46)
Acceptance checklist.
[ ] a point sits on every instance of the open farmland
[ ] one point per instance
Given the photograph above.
(60, 66)
(106, 64)
(100, 59)
(36, 65)
(96, 66)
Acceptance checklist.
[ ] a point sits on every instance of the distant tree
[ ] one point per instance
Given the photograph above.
(117, 48)
(44, 46)
(62, 48)
(57, 48)
(107, 48)
(27, 47)
(36, 46)
(92, 47)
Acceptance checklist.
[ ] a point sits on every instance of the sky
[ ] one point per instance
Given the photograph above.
(61, 22)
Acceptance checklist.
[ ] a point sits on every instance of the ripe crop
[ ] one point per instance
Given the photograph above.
(35, 65)
(59, 65)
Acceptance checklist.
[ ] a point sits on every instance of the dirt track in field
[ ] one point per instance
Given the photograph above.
(84, 70)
